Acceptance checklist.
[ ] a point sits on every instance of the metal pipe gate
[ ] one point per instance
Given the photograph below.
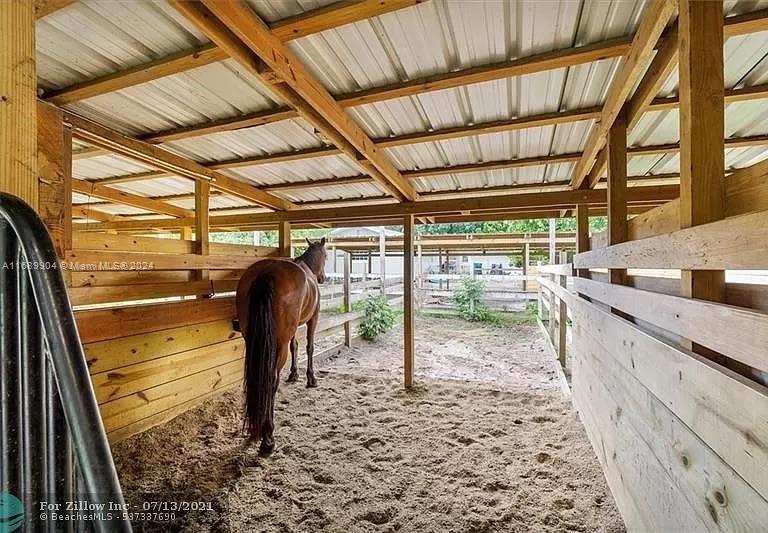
(53, 447)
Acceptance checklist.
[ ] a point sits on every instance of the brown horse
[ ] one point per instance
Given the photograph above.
(274, 297)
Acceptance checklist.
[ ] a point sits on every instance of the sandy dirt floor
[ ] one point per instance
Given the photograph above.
(485, 443)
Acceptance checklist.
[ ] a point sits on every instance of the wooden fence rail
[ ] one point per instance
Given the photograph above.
(681, 436)
(151, 360)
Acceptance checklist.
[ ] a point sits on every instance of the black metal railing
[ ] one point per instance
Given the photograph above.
(53, 447)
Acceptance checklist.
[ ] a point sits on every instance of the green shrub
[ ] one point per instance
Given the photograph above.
(467, 298)
(378, 317)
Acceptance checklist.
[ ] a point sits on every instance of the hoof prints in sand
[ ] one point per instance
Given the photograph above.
(361, 454)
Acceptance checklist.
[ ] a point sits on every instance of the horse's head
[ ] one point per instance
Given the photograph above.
(315, 258)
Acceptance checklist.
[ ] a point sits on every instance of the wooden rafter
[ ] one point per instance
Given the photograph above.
(657, 15)
(733, 26)
(43, 8)
(483, 128)
(557, 59)
(92, 213)
(155, 156)
(497, 126)
(735, 142)
(756, 92)
(537, 63)
(286, 30)
(165, 66)
(493, 165)
(121, 197)
(743, 94)
(664, 62)
(551, 200)
(248, 40)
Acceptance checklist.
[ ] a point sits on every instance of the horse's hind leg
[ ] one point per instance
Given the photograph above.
(294, 374)
(311, 327)
(268, 429)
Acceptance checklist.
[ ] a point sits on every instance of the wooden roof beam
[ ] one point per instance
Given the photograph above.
(527, 65)
(734, 142)
(756, 92)
(155, 156)
(520, 123)
(313, 21)
(245, 37)
(664, 62)
(91, 213)
(733, 26)
(655, 18)
(125, 198)
(43, 8)
(552, 200)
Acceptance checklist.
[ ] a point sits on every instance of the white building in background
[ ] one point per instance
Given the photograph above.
(394, 263)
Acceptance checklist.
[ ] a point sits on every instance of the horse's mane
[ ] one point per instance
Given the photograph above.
(309, 256)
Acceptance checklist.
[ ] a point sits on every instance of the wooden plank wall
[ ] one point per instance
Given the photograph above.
(151, 361)
(680, 436)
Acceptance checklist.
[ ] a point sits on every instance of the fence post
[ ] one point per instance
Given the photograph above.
(552, 314)
(540, 300)
(383, 260)
(526, 260)
(347, 297)
(562, 324)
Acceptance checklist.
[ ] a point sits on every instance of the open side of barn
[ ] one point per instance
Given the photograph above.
(124, 122)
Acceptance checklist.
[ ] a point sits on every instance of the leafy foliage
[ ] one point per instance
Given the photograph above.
(356, 306)
(511, 226)
(378, 318)
(468, 296)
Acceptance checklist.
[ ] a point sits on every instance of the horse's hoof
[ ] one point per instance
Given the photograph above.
(312, 384)
(292, 378)
(266, 448)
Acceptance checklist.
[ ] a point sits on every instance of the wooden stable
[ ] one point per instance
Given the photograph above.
(668, 373)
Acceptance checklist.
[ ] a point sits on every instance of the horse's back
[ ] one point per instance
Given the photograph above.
(294, 291)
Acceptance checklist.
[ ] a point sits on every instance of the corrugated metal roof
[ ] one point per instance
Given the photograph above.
(284, 136)
(105, 166)
(93, 38)
(433, 37)
(207, 93)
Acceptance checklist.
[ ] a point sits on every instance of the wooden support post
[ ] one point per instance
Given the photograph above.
(421, 267)
(347, 297)
(552, 241)
(54, 167)
(616, 149)
(202, 223)
(582, 235)
(18, 101)
(185, 234)
(383, 259)
(447, 270)
(284, 240)
(440, 268)
(526, 264)
(702, 161)
(408, 323)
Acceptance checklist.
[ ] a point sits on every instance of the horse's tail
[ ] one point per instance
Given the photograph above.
(260, 356)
